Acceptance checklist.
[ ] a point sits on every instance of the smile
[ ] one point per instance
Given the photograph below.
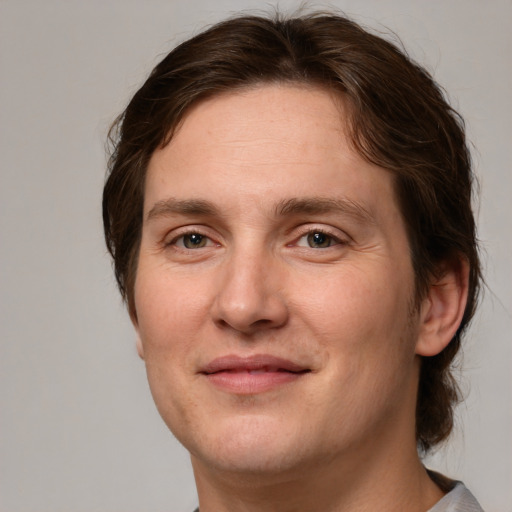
(252, 375)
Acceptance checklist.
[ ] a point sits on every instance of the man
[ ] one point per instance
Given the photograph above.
(289, 212)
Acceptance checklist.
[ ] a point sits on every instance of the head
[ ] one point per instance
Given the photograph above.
(397, 118)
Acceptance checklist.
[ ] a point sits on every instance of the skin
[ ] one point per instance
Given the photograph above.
(230, 264)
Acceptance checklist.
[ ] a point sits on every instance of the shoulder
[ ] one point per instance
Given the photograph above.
(459, 499)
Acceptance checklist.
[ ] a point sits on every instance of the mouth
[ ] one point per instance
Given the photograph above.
(254, 374)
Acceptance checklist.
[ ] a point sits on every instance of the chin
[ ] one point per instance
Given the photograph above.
(250, 445)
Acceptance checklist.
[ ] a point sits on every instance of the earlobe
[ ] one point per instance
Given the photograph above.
(443, 308)
(138, 342)
(140, 347)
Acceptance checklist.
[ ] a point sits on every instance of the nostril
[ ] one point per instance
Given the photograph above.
(247, 300)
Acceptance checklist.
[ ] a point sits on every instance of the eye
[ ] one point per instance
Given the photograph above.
(317, 240)
(192, 241)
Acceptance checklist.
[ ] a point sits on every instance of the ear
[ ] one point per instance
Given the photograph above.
(138, 342)
(140, 347)
(443, 308)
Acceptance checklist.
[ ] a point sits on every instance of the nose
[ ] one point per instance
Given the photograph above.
(250, 294)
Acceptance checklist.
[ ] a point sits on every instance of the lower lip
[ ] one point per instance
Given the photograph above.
(245, 383)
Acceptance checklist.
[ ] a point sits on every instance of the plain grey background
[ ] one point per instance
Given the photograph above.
(79, 431)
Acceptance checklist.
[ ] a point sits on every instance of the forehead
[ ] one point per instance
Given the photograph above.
(270, 142)
(266, 115)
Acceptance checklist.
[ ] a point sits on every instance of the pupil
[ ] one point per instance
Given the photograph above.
(194, 240)
(319, 240)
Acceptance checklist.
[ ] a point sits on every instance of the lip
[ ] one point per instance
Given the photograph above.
(253, 374)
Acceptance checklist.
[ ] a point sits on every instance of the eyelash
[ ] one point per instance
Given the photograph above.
(333, 239)
(190, 232)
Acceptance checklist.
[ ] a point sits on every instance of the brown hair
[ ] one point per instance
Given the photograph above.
(400, 120)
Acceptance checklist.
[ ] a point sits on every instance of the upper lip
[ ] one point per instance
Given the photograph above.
(252, 363)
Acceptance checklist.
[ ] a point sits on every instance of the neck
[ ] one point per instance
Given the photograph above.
(397, 481)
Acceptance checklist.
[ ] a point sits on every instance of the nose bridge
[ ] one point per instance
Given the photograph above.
(248, 294)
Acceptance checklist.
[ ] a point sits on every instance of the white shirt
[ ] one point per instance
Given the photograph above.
(459, 499)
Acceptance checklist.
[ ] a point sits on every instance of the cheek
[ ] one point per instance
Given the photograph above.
(353, 299)
(168, 308)
(360, 317)
(169, 315)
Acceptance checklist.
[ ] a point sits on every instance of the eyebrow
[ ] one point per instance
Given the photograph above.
(294, 206)
(172, 206)
(316, 205)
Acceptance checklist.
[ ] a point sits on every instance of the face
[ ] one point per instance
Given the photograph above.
(274, 287)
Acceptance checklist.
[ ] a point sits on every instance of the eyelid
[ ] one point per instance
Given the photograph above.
(173, 236)
(341, 237)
